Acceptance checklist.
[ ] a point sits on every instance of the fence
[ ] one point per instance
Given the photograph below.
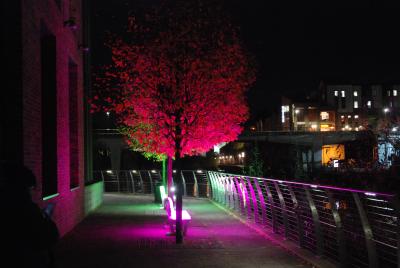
(350, 227)
(195, 182)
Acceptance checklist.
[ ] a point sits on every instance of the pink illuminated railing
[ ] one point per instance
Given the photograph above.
(351, 227)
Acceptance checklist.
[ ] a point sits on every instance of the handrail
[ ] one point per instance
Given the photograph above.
(315, 185)
(342, 224)
(351, 227)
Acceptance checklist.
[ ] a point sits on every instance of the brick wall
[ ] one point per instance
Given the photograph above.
(69, 208)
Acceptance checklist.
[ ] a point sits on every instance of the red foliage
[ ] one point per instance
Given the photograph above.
(179, 82)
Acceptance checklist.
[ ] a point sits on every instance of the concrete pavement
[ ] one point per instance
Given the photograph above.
(130, 231)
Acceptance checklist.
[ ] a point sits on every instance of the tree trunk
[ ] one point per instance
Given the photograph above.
(179, 186)
(164, 173)
(169, 177)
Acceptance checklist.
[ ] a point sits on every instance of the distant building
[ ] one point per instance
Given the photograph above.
(341, 107)
(307, 116)
(361, 106)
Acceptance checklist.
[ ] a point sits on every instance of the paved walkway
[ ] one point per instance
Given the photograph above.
(130, 231)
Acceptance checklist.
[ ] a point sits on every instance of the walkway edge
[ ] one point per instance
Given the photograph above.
(303, 254)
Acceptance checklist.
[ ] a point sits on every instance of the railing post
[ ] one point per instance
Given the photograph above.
(226, 191)
(262, 202)
(210, 177)
(220, 187)
(254, 198)
(236, 197)
(339, 231)
(248, 205)
(132, 181)
(272, 206)
(151, 182)
(184, 184)
(208, 184)
(240, 194)
(317, 224)
(370, 243)
(196, 186)
(141, 181)
(117, 177)
(283, 208)
(297, 210)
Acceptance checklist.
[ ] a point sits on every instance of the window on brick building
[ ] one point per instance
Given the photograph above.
(73, 125)
(49, 113)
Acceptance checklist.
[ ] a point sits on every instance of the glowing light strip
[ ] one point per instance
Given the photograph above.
(319, 186)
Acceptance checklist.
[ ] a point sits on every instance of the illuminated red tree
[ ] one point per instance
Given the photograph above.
(178, 84)
(178, 79)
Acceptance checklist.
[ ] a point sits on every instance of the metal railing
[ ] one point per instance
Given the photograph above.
(195, 182)
(350, 227)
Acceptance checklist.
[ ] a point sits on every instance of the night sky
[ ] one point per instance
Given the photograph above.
(295, 45)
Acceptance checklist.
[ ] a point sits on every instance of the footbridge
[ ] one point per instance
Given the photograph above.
(237, 221)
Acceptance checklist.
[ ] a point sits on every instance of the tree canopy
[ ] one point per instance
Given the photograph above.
(178, 79)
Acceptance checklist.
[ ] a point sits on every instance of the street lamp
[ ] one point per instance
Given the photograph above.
(386, 110)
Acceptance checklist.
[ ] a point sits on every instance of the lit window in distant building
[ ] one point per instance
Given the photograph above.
(336, 93)
(395, 92)
(326, 127)
(343, 93)
(355, 104)
(355, 93)
(388, 93)
(332, 152)
(324, 115)
(342, 116)
(356, 116)
(369, 104)
(391, 104)
(349, 116)
(285, 108)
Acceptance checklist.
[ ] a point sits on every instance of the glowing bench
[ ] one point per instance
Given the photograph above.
(171, 212)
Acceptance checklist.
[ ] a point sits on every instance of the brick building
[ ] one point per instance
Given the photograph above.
(42, 102)
(342, 107)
